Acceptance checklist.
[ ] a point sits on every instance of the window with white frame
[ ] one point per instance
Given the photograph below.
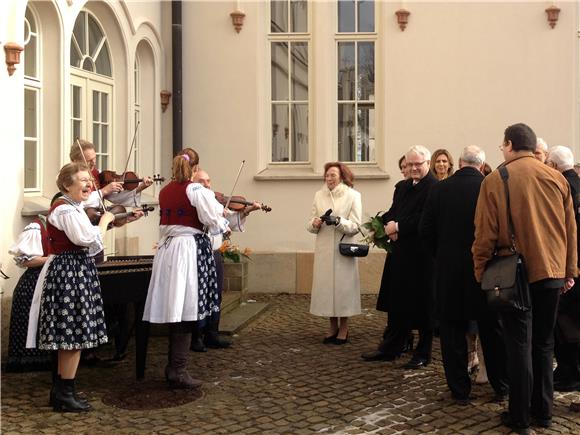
(355, 43)
(136, 111)
(91, 86)
(32, 93)
(289, 97)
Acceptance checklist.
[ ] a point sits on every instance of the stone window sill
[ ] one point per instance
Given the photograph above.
(280, 173)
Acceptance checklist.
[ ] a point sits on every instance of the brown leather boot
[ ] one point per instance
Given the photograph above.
(176, 371)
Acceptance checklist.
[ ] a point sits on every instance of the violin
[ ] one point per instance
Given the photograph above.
(129, 179)
(237, 203)
(120, 212)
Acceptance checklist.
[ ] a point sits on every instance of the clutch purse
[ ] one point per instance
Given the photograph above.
(352, 249)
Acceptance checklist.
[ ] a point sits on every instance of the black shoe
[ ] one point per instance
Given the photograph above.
(541, 422)
(409, 344)
(197, 345)
(566, 386)
(500, 397)
(216, 342)
(377, 355)
(416, 363)
(506, 420)
(330, 340)
(463, 401)
(341, 341)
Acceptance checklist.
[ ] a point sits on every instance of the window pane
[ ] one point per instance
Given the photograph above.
(365, 146)
(75, 55)
(76, 109)
(30, 58)
(96, 137)
(103, 163)
(76, 129)
(300, 132)
(105, 139)
(104, 107)
(346, 138)
(299, 71)
(79, 31)
(280, 71)
(279, 16)
(280, 132)
(366, 71)
(96, 111)
(346, 76)
(103, 62)
(299, 17)
(30, 164)
(346, 16)
(30, 114)
(366, 16)
(95, 36)
(88, 65)
(30, 18)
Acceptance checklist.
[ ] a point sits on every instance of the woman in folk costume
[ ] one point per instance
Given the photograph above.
(30, 251)
(183, 286)
(67, 308)
(336, 212)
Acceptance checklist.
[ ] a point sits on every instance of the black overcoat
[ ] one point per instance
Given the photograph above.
(447, 229)
(568, 322)
(407, 281)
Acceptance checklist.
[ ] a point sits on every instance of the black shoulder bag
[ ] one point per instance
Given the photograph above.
(352, 249)
(505, 281)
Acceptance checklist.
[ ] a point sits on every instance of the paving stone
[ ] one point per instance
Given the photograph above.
(277, 378)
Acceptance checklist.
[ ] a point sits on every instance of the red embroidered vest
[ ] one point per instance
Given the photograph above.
(58, 242)
(175, 208)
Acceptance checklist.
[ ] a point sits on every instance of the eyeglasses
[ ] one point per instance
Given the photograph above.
(415, 165)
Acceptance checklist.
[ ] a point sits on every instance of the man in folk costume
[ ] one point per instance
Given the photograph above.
(407, 292)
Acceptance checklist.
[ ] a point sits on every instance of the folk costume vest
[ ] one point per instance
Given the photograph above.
(175, 208)
(58, 242)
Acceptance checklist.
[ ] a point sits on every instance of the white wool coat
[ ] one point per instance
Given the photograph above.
(336, 283)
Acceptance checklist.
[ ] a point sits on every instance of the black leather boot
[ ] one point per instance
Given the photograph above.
(176, 371)
(64, 397)
(212, 337)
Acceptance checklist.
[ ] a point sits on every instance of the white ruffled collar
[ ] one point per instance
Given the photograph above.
(337, 192)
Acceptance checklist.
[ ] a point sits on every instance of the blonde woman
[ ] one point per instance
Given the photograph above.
(336, 212)
(442, 164)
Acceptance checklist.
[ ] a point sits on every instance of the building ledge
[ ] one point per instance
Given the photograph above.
(280, 173)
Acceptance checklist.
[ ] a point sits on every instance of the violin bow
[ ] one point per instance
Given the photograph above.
(91, 175)
(130, 150)
(235, 183)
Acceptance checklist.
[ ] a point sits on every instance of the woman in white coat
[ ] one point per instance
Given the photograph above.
(335, 284)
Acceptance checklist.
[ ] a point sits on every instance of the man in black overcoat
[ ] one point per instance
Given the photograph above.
(567, 331)
(407, 283)
(447, 228)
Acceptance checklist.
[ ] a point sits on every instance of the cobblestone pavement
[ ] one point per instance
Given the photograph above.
(278, 378)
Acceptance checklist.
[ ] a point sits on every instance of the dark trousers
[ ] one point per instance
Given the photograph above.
(568, 359)
(396, 336)
(529, 339)
(455, 360)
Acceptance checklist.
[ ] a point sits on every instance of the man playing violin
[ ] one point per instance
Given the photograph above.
(114, 191)
(236, 219)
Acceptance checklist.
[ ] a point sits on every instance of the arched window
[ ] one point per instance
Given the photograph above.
(32, 91)
(91, 86)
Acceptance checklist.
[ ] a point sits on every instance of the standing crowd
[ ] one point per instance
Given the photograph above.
(444, 230)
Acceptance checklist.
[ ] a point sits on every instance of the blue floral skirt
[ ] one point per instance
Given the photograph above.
(71, 307)
(208, 295)
(21, 359)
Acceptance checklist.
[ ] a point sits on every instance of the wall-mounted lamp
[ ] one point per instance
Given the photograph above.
(165, 97)
(553, 13)
(402, 18)
(12, 51)
(238, 19)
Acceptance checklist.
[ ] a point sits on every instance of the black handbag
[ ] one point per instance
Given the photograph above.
(352, 249)
(505, 281)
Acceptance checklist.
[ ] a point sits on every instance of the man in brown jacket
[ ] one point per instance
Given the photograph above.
(545, 234)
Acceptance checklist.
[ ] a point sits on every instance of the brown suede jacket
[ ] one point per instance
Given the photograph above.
(542, 214)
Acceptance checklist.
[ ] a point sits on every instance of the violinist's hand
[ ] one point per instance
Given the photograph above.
(105, 220)
(113, 187)
(137, 214)
(317, 223)
(147, 181)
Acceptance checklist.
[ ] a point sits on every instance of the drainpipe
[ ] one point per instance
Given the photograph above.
(177, 61)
